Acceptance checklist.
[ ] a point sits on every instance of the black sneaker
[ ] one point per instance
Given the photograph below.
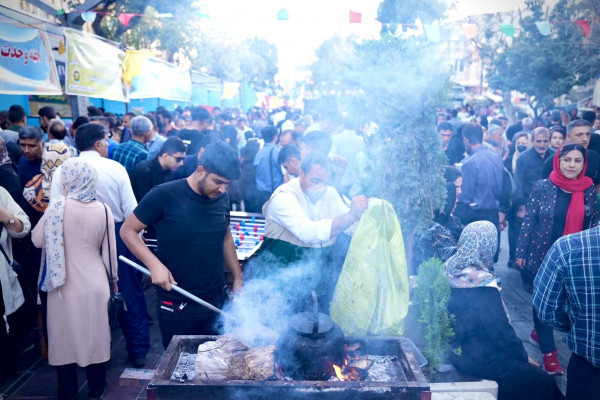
(139, 362)
(101, 394)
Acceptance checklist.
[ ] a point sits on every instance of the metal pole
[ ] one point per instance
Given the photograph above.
(176, 288)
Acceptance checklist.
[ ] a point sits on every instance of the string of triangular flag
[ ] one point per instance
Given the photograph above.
(125, 18)
(432, 31)
(470, 30)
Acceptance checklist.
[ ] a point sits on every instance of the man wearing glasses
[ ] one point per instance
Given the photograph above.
(157, 170)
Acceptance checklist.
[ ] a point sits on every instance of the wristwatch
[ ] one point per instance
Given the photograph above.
(12, 219)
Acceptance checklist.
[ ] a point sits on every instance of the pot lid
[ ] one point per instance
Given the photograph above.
(312, 322)
(304, 323)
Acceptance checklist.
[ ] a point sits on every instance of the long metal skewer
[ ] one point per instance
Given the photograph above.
(176, 288)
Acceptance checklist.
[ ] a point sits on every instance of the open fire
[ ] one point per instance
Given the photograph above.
(375, 368)
(354, 368)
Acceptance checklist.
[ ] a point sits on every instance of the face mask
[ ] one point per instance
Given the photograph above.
(521, 148)
(314, 195)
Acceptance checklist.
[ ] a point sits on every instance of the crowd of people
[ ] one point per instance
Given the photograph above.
(110, 183)
(78, 194)
(538, 179)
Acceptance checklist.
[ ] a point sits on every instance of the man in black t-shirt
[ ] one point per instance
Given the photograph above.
(191, 218)
(191, 135)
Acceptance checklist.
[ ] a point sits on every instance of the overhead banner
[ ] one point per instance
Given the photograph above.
(94, 67)
(152, 77)
(26, 63)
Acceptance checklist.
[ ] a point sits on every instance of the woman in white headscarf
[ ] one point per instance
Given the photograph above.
(489, 347)
(77, 232)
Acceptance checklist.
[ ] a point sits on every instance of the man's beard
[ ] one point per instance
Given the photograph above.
(202, 187)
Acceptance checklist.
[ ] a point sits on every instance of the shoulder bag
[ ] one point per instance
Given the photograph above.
(116, 302)
(10, 263)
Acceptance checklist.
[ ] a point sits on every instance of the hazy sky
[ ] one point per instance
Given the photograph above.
(465, 8)
(313, 21)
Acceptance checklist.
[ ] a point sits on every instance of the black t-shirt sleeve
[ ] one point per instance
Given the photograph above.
(150, 209)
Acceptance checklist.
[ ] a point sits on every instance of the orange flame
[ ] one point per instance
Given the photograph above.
(338, 373)
(347, 373)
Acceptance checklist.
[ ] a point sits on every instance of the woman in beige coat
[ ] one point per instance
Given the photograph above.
(76, 231)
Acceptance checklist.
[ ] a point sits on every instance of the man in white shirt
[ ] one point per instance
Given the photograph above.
(303, 218)
(114, 189)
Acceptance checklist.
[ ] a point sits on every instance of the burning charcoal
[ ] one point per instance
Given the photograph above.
(354, 375)
(382, 369)
(352, 347)
(184, 370)
(362, 363)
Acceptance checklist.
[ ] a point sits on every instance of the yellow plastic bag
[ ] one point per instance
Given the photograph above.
(371, 295)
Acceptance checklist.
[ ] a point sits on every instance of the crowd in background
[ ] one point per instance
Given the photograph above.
(538, 179)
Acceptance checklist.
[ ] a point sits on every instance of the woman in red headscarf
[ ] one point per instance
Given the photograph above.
(563, 204)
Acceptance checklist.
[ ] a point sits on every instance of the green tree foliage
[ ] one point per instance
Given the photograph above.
(431, 295)
(185, 38)
(394, 12)
(545, 67)
(331, 55)
(396, 83)
(400, 84)
(258, 60)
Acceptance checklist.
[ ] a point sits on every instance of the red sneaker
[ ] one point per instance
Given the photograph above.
(551, 364)
(533, 338)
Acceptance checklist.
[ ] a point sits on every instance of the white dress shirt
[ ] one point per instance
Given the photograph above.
(114, 187)
(291, 216)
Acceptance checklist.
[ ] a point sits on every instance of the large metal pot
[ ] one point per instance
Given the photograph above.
(314, 342)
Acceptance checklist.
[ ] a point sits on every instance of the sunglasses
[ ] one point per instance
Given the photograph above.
(178, 159)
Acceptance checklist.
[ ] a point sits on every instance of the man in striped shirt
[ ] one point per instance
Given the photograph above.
(566, 296)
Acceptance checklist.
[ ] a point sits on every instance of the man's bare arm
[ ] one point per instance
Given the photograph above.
(130, 233)
(343, 222)
(231, 261)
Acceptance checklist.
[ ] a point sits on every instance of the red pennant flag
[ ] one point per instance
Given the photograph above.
(585, 26)
(125, 18)
(355, 18)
